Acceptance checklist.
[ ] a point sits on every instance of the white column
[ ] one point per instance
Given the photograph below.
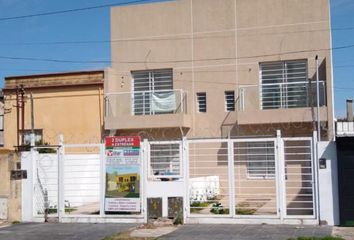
(28, 164)
(61, 204)
(102, 179)
(231, 174)
(280, 176)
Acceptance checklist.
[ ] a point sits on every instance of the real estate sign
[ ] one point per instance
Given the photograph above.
(122, 174)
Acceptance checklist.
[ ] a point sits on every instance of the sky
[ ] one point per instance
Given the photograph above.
(33, 38)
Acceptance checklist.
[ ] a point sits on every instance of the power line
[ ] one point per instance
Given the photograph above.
(70, 10)
(170, 61)
(176, 70)
(167, 37)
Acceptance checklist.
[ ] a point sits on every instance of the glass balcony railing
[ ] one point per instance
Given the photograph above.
(281, 95)
(139, 103)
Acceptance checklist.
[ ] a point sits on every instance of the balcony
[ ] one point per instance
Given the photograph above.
(146, 109)
(281, 102)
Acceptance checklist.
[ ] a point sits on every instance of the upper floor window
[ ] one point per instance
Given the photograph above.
(230, 101)
(202, 102)
(153, 92)
(284, 84)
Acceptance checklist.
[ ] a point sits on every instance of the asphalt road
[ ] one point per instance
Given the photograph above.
(61, 231)
(71, 231)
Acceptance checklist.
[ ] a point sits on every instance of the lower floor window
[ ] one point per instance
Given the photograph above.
(260, 160)
(165, 160)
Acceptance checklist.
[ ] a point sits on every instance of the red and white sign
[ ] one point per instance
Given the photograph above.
(123, 141)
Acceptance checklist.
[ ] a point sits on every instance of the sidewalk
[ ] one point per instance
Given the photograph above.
(246, 232)
(345, 232)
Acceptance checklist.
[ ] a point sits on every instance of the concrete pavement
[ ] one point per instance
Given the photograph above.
(246, 232)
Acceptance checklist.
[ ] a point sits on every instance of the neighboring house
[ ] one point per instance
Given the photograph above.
(345, 127)
(345, 153)
(206, 68)
(68, 103)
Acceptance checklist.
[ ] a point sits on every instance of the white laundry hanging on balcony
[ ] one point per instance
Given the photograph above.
(163, 102)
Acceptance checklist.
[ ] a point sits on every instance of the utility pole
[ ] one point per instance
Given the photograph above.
(22, 91)
(32, 114)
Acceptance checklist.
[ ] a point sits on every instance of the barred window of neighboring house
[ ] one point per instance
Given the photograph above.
(202, 102)
(260, 160)
(230, 101)
(284, 84)
(153, 92)
(38, 136)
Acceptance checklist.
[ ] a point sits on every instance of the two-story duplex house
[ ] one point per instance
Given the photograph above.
(206, 68)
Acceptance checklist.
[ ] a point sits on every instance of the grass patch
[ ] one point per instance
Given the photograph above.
(349, 224)
(15, 222)
(246, 208)
(244, 211)
(198, 206)
(317, 238)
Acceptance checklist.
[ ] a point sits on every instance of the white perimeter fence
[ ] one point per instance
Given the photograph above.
(270, 180)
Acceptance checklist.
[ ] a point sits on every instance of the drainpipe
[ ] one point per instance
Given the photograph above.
(318, 100)
(18, 114)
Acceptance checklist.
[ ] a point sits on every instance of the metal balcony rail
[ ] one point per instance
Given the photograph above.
(154, 102)
(281, 95)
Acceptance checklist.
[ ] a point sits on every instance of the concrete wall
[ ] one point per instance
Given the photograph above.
(10, 190)
(215, 46)
(74, 111)
(328, 184)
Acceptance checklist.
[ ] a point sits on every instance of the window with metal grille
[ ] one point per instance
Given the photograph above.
(150, 85)
(284, 84)
(230, 101)
(260, 160)
(202, 102)
(165, 160)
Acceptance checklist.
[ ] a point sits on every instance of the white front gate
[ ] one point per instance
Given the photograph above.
(69, 185)
(269, 180)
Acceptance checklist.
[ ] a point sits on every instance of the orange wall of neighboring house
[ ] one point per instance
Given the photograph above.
(74, 111)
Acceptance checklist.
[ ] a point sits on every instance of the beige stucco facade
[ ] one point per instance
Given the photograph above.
(213, 47)
(63, 103)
